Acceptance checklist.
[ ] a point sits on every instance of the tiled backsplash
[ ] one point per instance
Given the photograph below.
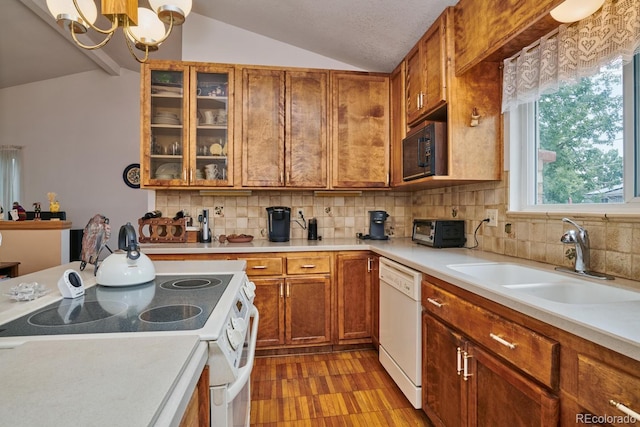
(615, 241)
(338, 216)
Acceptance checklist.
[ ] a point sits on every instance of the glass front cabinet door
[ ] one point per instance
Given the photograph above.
(186, 137)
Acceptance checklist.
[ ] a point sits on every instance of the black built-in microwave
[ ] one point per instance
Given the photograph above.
(424, 151)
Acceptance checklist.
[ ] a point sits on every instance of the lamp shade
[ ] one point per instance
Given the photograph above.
(575, 10)
(67, 10)
(149, 29)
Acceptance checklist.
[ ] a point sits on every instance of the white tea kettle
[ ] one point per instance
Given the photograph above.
(127, 266)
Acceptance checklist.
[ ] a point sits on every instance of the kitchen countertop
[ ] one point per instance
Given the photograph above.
(611, 325)
(100, 382)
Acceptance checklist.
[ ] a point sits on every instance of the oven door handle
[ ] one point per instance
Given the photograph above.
(244, 373)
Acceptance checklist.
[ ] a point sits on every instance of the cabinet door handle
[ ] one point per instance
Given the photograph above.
(309, 266)
(459, 360)
(435, 302)
(465, 368)
(281, 290)
(184, 174)
(502, 341)
(369, 265)
(190, 174)
(627, 411)
(288, 290)
(259, 267)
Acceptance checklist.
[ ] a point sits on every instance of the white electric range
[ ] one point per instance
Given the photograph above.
(213, 299)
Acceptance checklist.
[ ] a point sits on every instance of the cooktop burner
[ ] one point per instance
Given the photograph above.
(170, 313)
(191, 283)
(169, 303)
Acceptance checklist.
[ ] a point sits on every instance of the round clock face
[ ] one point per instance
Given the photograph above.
(131, 175)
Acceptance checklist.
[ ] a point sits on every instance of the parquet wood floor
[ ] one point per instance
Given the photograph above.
(323, 390)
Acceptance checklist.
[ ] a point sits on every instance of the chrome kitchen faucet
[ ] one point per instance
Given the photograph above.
(580, 237)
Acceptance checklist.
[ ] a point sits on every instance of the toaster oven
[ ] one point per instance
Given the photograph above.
(439, 233)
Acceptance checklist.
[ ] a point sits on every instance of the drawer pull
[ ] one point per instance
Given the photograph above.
(459, 361)
(625, 410)
(465, 367)
(309, 266)
(502, 341)
(435, 302)
(259, 267)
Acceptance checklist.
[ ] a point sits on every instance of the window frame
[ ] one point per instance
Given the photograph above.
(520, 131)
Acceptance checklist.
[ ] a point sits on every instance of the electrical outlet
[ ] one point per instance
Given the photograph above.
(492, 214)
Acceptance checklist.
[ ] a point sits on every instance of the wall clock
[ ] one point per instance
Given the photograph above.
(131, 175)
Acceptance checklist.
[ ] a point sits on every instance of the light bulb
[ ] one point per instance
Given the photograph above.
(575, 10)
(180, 9)
(149, 29)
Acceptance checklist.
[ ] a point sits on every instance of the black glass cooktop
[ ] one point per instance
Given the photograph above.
(168, 303)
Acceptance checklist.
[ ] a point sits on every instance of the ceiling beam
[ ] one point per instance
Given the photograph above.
(98, 56)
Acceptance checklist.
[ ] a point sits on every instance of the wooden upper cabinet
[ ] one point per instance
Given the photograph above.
(284, 128)
(426, 75)
(435, 63)
(398, 120)
(493, 30)
(187, 109)
(414, 83)
(360, 130)
(306, 136)
(263, 97)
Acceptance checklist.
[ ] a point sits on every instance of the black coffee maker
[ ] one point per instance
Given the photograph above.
(279, 222)
(376, 225)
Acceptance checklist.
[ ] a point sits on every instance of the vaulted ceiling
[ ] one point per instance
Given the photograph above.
(369, 34)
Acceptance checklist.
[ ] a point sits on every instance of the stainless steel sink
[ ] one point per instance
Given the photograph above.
(576, 292)
(498, 273)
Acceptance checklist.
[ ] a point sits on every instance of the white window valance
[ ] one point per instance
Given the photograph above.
(571, 52)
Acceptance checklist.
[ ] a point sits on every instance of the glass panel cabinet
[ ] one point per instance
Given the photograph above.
(186, 134)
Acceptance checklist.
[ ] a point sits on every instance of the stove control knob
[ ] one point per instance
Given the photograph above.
(238, 324)
(250, 290)
(235, 338)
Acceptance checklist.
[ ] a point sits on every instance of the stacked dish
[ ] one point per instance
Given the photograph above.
(165, 118)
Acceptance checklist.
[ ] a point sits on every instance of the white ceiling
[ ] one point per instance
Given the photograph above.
(370, 34)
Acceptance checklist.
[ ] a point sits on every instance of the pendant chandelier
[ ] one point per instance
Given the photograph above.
(143, 28)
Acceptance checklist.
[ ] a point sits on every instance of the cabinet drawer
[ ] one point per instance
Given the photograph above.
(529, 351)
(599, 383)
(309, 264)
(264, 266)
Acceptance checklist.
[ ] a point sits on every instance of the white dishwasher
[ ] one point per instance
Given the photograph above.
(400, 327)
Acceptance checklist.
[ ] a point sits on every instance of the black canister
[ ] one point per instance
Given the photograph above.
(313, 229)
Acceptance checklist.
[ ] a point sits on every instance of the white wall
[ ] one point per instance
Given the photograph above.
(79, 132)
(208, 40)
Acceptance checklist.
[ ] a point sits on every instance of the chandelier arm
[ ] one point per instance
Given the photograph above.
(133, 53)
(90, 47)
(114, 23)
(127, 29)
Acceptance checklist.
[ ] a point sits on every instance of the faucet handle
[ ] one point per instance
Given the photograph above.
(570, 221)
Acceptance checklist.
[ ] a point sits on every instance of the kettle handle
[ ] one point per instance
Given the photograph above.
(127, 241)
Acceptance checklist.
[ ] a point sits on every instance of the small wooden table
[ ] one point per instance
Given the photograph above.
(10, 268)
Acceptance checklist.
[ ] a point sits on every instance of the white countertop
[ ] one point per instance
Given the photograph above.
(612, 325)
(99, 382)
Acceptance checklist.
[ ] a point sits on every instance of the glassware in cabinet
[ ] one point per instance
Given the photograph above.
(167, 127)
(210, 126)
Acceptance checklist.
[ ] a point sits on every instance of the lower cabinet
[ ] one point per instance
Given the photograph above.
(198, 411)
(466, 383)
(293, 296)
(354, 287)
(293, 311)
